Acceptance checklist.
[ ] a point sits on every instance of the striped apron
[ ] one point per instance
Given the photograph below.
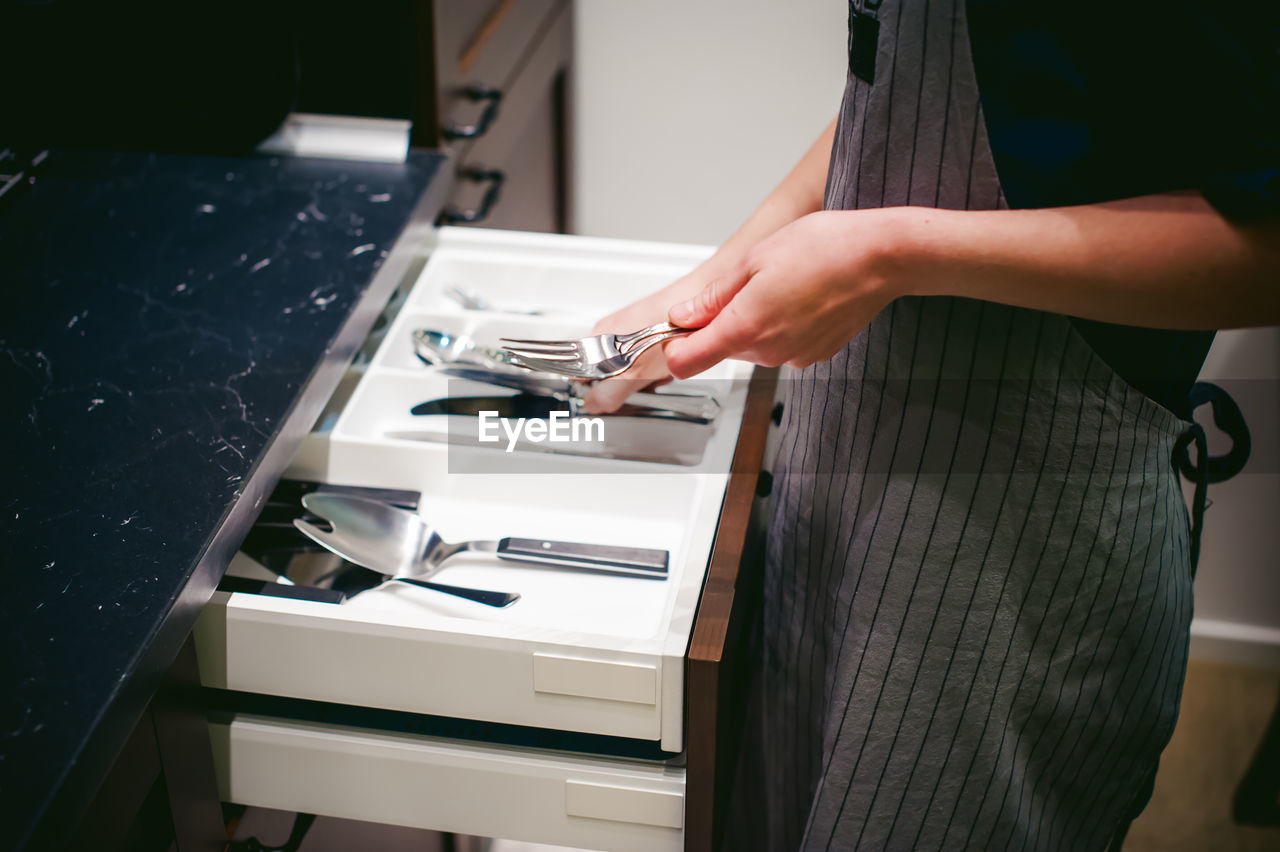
(977, 585)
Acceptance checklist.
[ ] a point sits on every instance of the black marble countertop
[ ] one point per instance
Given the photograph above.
(168, 323)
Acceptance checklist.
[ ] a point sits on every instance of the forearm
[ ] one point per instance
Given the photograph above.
(799, 194)
(1163, 261)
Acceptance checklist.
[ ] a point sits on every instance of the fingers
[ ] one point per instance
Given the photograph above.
(707, 304)
(727, 335)
(701, 307)
(721, 311)
(607, 396)
(650, 369)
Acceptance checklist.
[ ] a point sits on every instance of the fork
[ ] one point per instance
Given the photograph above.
(596, 357)
(469, 300)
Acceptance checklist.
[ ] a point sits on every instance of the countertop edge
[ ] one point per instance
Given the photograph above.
(80, 783)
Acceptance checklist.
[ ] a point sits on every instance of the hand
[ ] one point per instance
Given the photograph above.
(795, 298)
(650, 368)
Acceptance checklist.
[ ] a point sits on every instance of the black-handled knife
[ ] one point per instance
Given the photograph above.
(636, 561)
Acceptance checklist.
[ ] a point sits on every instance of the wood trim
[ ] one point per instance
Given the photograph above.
(715, 667)
(491, 24)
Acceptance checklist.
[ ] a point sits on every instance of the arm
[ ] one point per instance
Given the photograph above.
(1162, 261)
(1167, 261)
(799, 193)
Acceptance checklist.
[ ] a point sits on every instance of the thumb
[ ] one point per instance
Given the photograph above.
(723, 338)
(708, 303)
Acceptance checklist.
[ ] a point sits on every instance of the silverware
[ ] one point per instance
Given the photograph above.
(535, 405)
(340, 545)
(516, 378)
(472, 301)
(597, 357)
(684, 450)
(440, 347)
(400, 543)
(457, 357)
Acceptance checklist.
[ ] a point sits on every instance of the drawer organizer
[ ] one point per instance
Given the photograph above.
(580, 652)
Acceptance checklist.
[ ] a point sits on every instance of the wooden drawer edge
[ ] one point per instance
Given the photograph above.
(722, 623)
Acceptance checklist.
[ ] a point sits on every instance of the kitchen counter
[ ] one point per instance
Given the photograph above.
(174, 326)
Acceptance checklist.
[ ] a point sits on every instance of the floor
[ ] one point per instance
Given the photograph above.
(1225, 709)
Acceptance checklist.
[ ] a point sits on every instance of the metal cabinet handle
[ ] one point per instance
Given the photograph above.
(477, 94)
(495, 177)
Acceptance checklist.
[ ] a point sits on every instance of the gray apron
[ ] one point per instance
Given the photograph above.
(978, 585)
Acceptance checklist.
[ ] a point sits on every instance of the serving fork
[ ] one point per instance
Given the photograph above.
(599, 356)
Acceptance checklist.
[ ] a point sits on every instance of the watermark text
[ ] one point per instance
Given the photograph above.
(560, 428)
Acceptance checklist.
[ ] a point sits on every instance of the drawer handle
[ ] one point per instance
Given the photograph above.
(494, 177)
(602, 679)
(476, 94)
(593, 800)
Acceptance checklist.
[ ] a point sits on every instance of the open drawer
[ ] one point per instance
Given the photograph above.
(579, 652)
(446, 785)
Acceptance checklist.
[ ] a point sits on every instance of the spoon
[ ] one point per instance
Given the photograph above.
(400, 543)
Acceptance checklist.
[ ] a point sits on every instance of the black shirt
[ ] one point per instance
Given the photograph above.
(1094, 102)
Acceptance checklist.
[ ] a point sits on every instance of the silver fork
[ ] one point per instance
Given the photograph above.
(596, 357)
(471, 301)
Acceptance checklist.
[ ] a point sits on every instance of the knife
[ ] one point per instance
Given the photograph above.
(685, 408)
(520, 406)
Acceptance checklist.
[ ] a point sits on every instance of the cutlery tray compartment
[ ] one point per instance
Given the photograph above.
(569, 282)
(524, 794)
(580, 651)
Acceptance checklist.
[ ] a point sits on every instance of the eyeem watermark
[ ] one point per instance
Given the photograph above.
(560, 428)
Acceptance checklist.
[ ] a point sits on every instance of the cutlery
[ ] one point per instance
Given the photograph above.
(400, 543)
(596, 357)
(280, 589)
(692, 407)
(282, 505)
(519, 406)
(343, 547)
(683, 451)
(473, 301)
(684, 408)
(275, 542)
(441, 347)
(460, 358)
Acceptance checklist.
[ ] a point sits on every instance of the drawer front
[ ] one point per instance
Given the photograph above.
(524, 148)
(302, 649)
(447, 785)
(483, 47)
(528, 95)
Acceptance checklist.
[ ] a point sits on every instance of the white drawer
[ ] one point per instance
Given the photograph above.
(579, 652)
(466, 788)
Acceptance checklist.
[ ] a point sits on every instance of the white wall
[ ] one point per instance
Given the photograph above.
(1237, 597)
(687, 112)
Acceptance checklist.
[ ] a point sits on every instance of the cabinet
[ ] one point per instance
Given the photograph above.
(633, 677)
(482, 80)
(499, 76)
